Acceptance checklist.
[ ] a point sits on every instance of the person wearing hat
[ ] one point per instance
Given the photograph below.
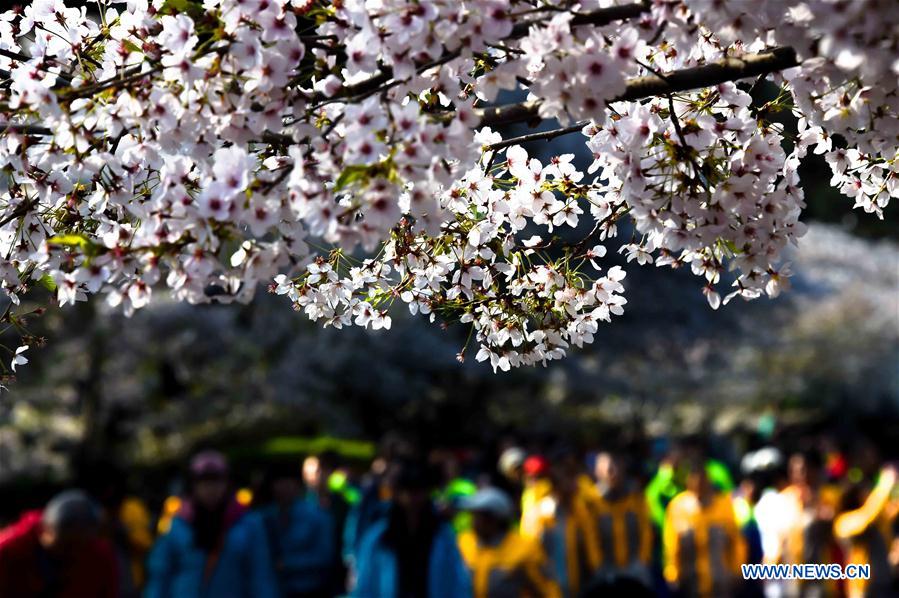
(510, 467)
(214, 546)
(58, 552)
(411, 553)
(502, 562)
(536, 487)
(511, 464)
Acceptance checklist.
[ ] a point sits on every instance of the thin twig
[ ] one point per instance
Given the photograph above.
(599, 17)
(25, 58)
(20, 210)
(541, 136)
(672, 115)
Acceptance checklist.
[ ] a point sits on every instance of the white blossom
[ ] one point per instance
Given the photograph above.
(355, 166)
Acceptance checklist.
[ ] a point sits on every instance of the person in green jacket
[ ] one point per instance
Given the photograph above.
(669, 481)
(448, 500)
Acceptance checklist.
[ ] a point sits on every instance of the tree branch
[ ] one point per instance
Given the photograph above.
(598, 18)
(25, 58)
(24, 129)
(728, 69)
(20, 210)
(541, 136)
(14, 55)
(722, 71)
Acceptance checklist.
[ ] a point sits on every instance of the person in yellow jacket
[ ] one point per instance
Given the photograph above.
(503, 563)
(565, 526)
(702, 542)
(137, 525)
(864, 526)
(537, 486)
(622, 520)
(808, 507)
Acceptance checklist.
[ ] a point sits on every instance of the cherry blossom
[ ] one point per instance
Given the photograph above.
(354, 156)
(19, 358)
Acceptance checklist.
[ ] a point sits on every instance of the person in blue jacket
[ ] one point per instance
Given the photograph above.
(214, 548)
(301, 539)
(411, 553)
(375, 493)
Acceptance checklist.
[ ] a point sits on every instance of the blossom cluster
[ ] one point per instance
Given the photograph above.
(524, 306)
(847, 87)
(344, 153)
(706, 184)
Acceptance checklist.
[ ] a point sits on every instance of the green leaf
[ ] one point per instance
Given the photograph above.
(191, 8)
(131, 46)
(75, 241)
(79, 241)
(48, 283)
(350, 175)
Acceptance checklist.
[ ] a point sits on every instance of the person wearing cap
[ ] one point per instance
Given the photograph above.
(214, 546)
(511, 464)
(536, 487)
(502, 562)
(411, 553)
(58, 552)
(454, 487)
(622, 520)
(301, 536)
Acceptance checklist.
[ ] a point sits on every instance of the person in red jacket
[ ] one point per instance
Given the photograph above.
(58, 553)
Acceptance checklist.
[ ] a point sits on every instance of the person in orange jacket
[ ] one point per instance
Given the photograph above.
(537, 486)
(566, 528)
(622, 520)
(503, 563)
(865, 527)
(809, 506)
(703, 546)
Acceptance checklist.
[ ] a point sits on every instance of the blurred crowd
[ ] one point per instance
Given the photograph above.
(519, 520)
